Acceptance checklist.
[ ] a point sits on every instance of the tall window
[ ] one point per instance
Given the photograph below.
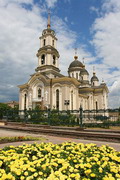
(44, 42)
(96, 105)
(57, 99)
(54, 59)
(77, 75)
(71, 100)
(72, 74)
(25, 99)
(53, 42)
(39, 93)
(43, 59)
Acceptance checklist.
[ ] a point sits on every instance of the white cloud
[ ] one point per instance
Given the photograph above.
(67, 44)
(6, 2)
(114, 99)
(20, 28)
(19, 32)
(51, 3)
(94, 9)
(111, 5)
(106, 40)
(66, 19)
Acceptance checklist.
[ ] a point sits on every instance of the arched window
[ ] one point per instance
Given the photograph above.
(96, 105)
(39, 93)
(93, 84)
(43, 59)
(53, 43)
(57, 99)
(54, 59)
(71, 100)
(44, 42)
(25, 100)
(76, 75)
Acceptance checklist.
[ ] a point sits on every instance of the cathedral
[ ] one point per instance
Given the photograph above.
(48, 88)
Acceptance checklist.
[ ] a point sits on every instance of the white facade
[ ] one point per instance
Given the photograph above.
(48, 88)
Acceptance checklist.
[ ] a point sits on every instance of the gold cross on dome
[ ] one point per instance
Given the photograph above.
(83, 60)
(75, 51)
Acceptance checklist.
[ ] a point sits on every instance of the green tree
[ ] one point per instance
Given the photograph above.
(3, 109)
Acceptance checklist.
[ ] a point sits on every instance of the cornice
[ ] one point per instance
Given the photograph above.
(47, 67)
(48, 50)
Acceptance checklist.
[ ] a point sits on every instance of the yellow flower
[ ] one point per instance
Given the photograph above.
(92, 175)
(26, 173)
(22, 178)
(40, 173)
(88, 171)
(100, 170)
(72, 175)
(35, 175)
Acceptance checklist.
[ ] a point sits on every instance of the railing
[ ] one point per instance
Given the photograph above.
(82, 118)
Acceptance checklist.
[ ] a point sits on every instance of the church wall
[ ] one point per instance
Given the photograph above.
(90, 101)
(75, 74)
(95, 83)
(22, 99)
(47, 97)
(101, 99)
(105, 99)
(48, 59)
(85, 77)
(63, 97)
(67, 90)
(48, 40)
(57, 62)
(55, 87)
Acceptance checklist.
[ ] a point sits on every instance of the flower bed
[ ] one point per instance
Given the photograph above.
(66, 161)
(19, 138)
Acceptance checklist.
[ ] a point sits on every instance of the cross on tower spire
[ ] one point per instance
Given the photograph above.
(83, 60)
(75, 51)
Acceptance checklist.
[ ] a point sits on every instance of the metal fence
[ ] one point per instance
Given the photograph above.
(82, 118)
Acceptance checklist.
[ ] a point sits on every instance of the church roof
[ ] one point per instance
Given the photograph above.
(76, 63)
(94, 78)
(84, 71)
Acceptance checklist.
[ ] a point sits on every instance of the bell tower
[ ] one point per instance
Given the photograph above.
(48, 56)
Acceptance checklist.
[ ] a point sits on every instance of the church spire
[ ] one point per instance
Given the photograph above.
(48, 24)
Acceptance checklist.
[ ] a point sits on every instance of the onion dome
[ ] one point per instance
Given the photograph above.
(75, 65)
(94, 78)
(84, 71)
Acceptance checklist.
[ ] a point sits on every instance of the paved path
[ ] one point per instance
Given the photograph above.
(53, 139)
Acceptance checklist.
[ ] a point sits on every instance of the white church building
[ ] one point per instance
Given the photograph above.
(48, 88)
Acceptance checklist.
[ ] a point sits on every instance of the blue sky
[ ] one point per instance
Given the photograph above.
(91, 26)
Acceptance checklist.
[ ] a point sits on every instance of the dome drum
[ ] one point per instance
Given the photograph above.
(74, 69)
